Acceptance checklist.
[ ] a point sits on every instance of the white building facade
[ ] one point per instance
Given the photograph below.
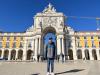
(30, 44)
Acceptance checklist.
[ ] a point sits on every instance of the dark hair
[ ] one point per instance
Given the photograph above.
(50, 38)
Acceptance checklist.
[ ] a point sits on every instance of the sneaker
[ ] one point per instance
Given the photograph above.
(48, 73)
(52, 74)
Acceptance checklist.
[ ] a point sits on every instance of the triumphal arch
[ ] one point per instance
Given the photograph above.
(30, 44)
(50, 21)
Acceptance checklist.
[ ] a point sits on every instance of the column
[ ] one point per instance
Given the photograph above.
(90, 54)
(25, 50)
(63, 45)
(63, 48)
(97, 53)
(33, 47)
(74, 48)
(36, 46)
(83, 54)
(58, 46)
(67, 57)
(2, 53)
(16, 57)
(33, 44)
(9, 56)
(42, 47)
(39, 46)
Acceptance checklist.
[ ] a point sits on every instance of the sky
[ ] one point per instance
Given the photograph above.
(17, 15)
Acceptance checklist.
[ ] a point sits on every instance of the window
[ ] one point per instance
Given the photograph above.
(91, 37)
(29, 45)
(99, 43)
(14, 45)
(77, 37)
(93, 44)
(86, 44)
(7, 44)
(0, 38)
(77, 44)
(0, 44)
(21, 45)
(69, 45)
(14, 38)
(8, 38)
(21, 38)
(84, 37)
(98, 37)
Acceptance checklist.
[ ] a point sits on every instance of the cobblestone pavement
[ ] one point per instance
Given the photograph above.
(33, 68)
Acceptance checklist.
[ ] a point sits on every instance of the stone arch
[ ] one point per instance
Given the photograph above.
(70, 54)
(13, 54)
(29, 54)
(48, 29)
(6, 53)
(20, 54)
(94, 54)
(0, 53)
(87, 57)
(79, 54)
(45, 31)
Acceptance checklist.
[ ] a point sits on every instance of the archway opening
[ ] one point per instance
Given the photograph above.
(79, 54)
(87, 57)
(29, 54)
(13, 54)
(70, 54)
(94, 54)
(0, 53)
(6, 53)
(20, 54)
(47, 33)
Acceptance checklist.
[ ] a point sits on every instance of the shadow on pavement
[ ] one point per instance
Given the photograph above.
(35, 74)
(70, 71)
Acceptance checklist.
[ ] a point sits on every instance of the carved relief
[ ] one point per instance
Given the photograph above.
(49, 21)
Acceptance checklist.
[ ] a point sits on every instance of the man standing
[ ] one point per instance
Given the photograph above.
(50, 56)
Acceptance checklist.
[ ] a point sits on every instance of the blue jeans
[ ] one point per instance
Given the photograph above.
(50, 61)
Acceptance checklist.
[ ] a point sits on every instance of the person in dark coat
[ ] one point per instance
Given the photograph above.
(58, 57)
(62, 58)
(50, 56)
(38, 57)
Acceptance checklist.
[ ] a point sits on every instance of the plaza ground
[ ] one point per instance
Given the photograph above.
(69, 68)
